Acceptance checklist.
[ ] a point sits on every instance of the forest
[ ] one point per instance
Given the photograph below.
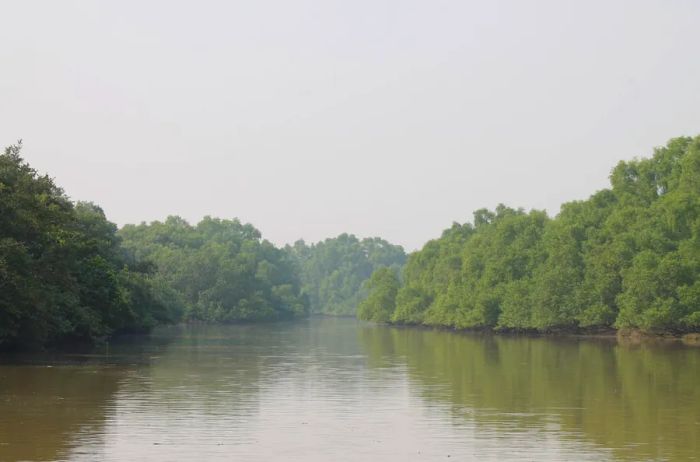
(218, 270)
(67, 274)
(626, 258)
(63, 274)
(334, 272)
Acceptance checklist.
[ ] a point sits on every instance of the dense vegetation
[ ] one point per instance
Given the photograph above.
(628, 257)
(220, 270)
(62, 272)
(67, 274)
(334, 271)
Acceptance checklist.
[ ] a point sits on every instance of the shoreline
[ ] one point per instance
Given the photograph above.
(625, 335)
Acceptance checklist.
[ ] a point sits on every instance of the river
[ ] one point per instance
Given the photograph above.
(330, 389)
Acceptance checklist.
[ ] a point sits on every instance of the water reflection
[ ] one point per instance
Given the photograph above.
(639, 402)
(336, 389)
(42, 408)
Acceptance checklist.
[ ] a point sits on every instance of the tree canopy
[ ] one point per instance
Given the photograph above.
(628, 257)
(220, 270)
(62, 272)
(334, 271)
(67, 273)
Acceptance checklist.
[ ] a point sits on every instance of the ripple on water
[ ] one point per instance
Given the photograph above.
(339, 390)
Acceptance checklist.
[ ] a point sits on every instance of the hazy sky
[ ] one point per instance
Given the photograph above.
(312, 118)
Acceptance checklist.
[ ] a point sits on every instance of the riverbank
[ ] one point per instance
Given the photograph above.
(627, 336)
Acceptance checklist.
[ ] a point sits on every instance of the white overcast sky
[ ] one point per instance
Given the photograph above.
(312, 118)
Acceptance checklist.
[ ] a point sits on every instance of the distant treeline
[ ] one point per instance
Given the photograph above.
(334, 271)
(628, 257)
(219, 270)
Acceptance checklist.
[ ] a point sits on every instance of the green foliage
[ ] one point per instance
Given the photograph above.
(628, 257)
(383, 286)
(62, 272)
(334, 271)
(219, 270)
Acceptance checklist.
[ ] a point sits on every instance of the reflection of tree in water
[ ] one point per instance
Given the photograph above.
(225, 367)
(203, 389)
(48, 401)
(642, 402)
(191, 389)
(42, 408)
(194, 384)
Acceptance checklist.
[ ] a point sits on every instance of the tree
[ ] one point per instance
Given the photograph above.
(63, 274)
(628, 257)
(380, 302)
(220, 270)
(334, 271)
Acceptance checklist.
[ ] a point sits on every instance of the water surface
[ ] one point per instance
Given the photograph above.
(336, 389)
